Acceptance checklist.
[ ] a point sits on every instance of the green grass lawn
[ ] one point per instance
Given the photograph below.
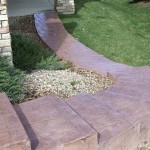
(113, 28)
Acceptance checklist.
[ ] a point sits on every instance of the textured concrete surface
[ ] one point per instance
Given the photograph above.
(28, 7)
(51, 124)
(12, 133)
(117, 119)
(69, 48)
(128, 98)
(114, 131)
(135, 110)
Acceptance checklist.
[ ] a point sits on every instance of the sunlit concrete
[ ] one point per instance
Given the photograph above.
(28, 7)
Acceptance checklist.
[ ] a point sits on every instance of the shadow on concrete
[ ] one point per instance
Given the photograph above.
(30, 132)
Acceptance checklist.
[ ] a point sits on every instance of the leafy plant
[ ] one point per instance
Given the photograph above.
(52, 63)
(11, 81)
(73, 83)
(29, 55)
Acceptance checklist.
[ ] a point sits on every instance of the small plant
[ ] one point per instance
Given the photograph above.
(29, 55)
(73, 83)
(52, 63)
(11, 80)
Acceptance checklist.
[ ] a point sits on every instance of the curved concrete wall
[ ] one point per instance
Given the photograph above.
(62, 6)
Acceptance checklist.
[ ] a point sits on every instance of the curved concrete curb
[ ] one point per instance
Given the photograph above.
(53, 33)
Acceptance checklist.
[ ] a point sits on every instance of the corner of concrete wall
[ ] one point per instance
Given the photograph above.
(5, 39)
(65, 6)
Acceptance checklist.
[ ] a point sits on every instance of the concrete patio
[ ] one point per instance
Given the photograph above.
(28, 7)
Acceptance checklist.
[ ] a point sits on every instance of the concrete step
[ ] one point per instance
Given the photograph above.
(12, 133)
(133, 109)
(133, 90)
(118, 101)
(136, 74)
(115, 133)
(139, 85)
(134, 80)
(52, 125)
(142, 74)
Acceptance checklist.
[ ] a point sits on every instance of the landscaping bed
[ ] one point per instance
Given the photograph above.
(65, 83)
(44, 73)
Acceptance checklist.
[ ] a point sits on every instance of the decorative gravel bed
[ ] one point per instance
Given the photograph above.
(65, 83)
(145, 145)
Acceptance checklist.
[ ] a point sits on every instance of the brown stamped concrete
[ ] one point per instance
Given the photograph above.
(115, 132)
(12, 133)
(52, 125)
(53, 33)
(129, 98)
(117, 119)
(133, 109)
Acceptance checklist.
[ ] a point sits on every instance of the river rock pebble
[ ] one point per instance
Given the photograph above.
(145, 145)
(65, 83)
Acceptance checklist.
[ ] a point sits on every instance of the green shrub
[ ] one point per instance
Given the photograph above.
(52, 63)
(11, 81)
(135, 1)
(29, 55)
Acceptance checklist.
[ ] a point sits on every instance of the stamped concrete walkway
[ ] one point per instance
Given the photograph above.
(117, 119)
(121, 115)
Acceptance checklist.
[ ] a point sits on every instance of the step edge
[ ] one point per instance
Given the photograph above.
(26, 138)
